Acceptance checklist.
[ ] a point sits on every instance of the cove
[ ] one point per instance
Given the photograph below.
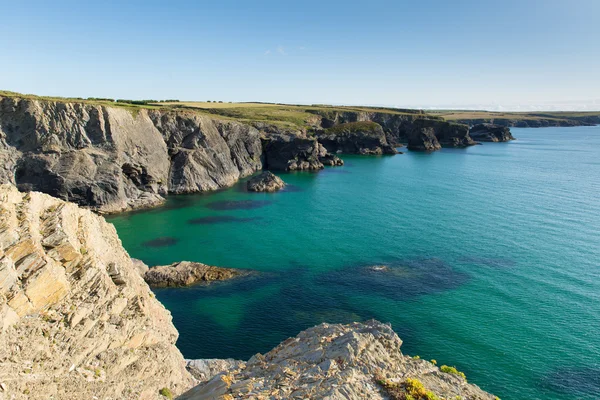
(492, 253)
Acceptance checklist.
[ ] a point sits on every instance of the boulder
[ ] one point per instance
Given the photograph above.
(265, 182)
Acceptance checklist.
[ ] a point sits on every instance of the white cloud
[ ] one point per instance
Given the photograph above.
(281, 50)
(267, 52)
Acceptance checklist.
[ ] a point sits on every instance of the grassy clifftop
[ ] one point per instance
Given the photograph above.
(304, 116)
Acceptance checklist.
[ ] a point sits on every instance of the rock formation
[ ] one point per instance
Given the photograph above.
(77, 319)
(491, 133)
(355, 361)
(265, 182)
(185, 273)
(291, 152)
(356, 138)
(112, 158)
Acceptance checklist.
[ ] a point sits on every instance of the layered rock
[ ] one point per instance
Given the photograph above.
(185, 273)
(355, 361)
(113, 159)
(205, 369)
(356, 138)
(491, 133)
(77, 319)
(265, 182)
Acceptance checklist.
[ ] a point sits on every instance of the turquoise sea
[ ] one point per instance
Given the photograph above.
(494, 256)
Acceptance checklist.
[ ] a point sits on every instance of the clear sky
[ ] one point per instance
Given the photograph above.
(542, 54)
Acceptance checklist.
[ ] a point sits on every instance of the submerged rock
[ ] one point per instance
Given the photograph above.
(76, 318)
(265, 182)
(491, 133)
(185, 273)
(355, 361)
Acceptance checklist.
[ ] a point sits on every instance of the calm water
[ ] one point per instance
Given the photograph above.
(494, 255)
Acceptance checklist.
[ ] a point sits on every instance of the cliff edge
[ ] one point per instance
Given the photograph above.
(76, 318)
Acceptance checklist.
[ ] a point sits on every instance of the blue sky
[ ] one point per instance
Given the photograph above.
(491, 54)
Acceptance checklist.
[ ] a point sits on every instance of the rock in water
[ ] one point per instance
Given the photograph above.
(491, 133)
(265, 182)
(187, 273)
(76, 318)
(352, 361)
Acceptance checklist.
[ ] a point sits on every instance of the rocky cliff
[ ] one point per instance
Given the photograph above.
(115, 158)
(77, 321)
(112, 159)
(337, 362)
(491, 133)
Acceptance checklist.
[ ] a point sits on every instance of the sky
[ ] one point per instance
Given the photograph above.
(500, 55)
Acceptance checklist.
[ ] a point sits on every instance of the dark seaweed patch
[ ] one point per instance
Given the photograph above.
(219, 219)
(574, 381)
(161, 242)
(237, 204)
(400, 281)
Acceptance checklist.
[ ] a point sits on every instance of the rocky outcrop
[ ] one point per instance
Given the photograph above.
(77, 321)
(205, 369)
(186, 273)
(112, 159)
(265, 182)
(356, 361)
(356, 138)
(291, 152)
(419, 131)
(491, 133)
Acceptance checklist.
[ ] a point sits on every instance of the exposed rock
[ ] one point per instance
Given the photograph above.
(290, 152)
(205, 369)
(422, 138)
(356, 138)
(333, 362)
(76, 318)
(111, 159)
(187, 273)
(329, 159)
(491, 133)
(265, 182)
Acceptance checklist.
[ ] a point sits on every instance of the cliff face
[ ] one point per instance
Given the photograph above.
(112, 160)
(491, 133)
(77, 319)
(356, 361)
(356, 138)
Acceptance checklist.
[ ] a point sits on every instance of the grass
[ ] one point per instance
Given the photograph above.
(166, 392)
(351, 127)
(296, 116)
(454, 115)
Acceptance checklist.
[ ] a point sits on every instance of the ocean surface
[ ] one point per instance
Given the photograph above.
(493, 254)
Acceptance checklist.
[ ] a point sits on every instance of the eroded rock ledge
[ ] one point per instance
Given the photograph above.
(76, 318)
(186, 273)
(355, 361)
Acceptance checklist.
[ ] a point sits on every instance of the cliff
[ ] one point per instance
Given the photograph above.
(336, 362)
(77, 319)
(113, 158)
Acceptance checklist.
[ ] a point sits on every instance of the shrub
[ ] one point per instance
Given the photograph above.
(453, 371)
(410, 389)
(166, 392)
